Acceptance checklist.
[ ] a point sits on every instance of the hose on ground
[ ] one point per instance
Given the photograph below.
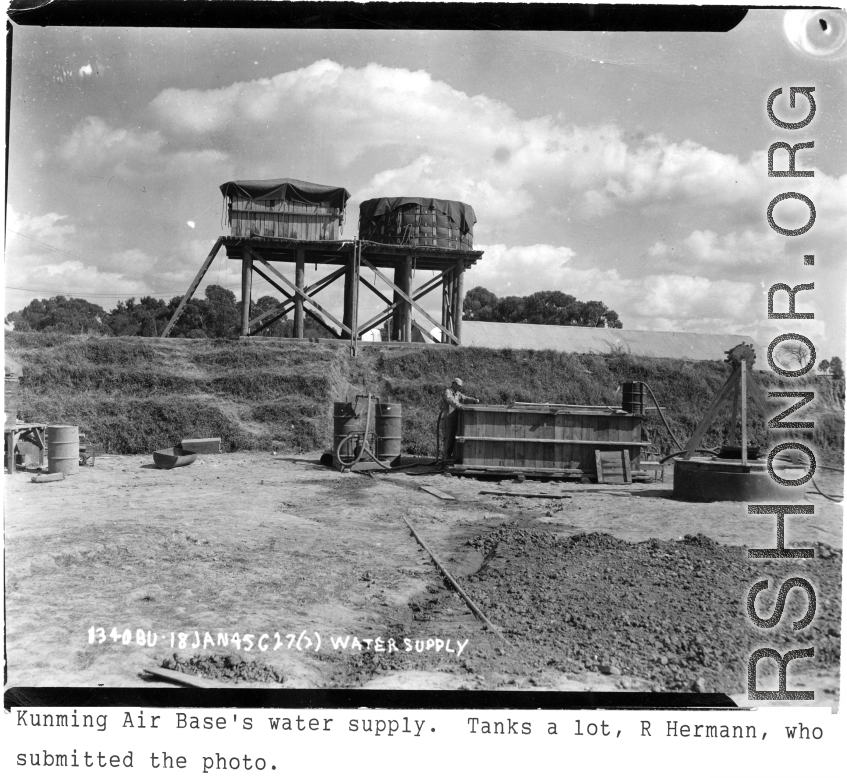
(836, 498)
(787, 459)
(362, 448)
(677, 453)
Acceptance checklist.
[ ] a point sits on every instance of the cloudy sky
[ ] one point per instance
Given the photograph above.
(629, 168)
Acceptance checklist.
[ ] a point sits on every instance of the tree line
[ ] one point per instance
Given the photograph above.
(538, 308)
(216, 315)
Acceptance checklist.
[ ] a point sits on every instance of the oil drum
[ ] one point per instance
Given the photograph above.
(633, 397)
(388, 429)
(348, 418)
(63, 449)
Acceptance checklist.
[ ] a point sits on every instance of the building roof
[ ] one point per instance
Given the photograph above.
(598, 340)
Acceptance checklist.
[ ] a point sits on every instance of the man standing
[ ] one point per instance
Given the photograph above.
(451, 401)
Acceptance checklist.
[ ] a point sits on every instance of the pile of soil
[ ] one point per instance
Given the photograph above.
(670, 612)
(223, 667)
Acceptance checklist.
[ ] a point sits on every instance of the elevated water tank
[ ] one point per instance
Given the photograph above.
(417, 221)
(285, 208)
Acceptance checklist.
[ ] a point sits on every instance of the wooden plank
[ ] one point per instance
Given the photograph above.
(549, 449)
(290, 305)
(612, 467)
(566, 450)
(694, 441)
(388, 312)
(305, 297)
(501, 432)
(614, 424)
(579, 453)
(192, 288)
(562, 442)
(509, 440)
(603, 432)
(438, 493)
(489, 452)
(42, 479)
(539, 495)
(285, 307)
(733, 418)
(410, 299)
(532, 447)
(520, 440)
(299, 298)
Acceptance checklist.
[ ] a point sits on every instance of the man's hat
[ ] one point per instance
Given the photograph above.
(458, 381)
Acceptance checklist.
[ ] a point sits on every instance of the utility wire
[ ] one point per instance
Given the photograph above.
(106, 294)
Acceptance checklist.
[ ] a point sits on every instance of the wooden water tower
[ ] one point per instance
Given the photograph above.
(289, 221)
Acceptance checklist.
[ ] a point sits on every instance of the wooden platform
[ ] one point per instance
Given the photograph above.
(18, 436)
(339, 252)
(356, 263)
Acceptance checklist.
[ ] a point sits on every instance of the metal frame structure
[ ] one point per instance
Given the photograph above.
(349, 258)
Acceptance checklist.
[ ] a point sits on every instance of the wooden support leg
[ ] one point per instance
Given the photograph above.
(460, 296)
(733, 422)
(300, 282)
(349, 273)
(246, 292)
(397, 316)
(694, 441)
(193, 288)
(445, 305)
(744, 412)
(407, 308)
(354, 294)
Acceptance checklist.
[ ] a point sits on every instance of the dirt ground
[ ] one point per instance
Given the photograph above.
(261, 545)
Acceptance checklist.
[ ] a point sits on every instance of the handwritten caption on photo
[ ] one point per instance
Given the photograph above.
(304, 641)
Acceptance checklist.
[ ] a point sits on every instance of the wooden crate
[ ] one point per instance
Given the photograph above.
(550, 438)
(283, 219)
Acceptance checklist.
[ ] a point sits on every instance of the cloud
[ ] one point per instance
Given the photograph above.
(671, 301)
(710, 251)
(559, 205)
(94, 145)
(414, 134)
(50, 226)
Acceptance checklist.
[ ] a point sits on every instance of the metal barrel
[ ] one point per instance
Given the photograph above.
(388, 429)
(347, 419)
(633, 397)
(10, 400)
(63, 449)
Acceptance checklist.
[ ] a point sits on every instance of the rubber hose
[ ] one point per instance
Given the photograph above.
(364, 442)
(662, 415)
(338, 449)
(677, 453)
(829, 497)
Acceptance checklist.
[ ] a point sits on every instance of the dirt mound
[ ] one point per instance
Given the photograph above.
(670, 612)
(223, 667)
